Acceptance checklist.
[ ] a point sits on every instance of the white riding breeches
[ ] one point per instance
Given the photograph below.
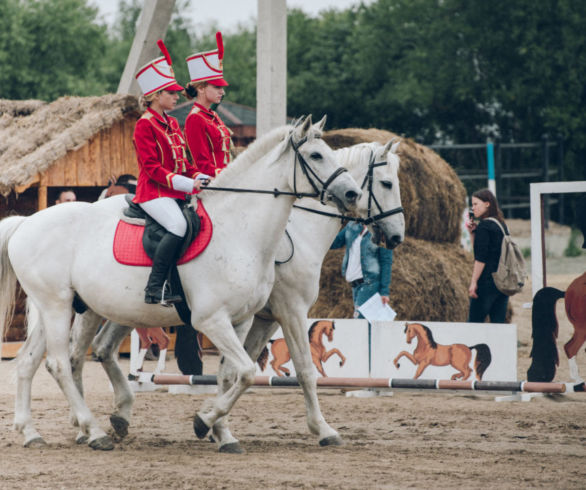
(166, 212)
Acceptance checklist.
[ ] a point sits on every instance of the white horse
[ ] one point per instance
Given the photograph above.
(67, 250)
(295, 289)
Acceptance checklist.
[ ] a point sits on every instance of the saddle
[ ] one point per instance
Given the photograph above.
(137, 236)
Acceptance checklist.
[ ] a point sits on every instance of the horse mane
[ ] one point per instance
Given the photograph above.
(429, 335)
(354, 156)
(312, 328)
(254, 152)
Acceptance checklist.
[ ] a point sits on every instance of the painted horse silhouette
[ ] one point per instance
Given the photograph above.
(429, 353)
(319, 354)
(545, 330)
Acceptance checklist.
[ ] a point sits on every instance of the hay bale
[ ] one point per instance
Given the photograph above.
(429, 283)
(432, 194)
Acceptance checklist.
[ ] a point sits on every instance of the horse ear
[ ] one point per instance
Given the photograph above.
(302, 129)
(386, 148)
(321, 123)
(395, 146)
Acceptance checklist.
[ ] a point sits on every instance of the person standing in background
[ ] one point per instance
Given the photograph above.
(366, 266)
(487, 238)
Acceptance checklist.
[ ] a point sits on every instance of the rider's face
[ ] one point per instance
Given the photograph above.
(168, 100)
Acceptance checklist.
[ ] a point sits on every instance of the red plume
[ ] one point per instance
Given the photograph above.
(163, 49)
(220, 44)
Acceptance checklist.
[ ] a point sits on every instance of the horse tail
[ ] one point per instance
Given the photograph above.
(7, 276)
(544, 325)
(483, 359)
(263, 358)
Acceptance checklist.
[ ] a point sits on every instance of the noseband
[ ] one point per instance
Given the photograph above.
(368, 180)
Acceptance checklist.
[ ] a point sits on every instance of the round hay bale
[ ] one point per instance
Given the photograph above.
(432, 194)
(429, 283)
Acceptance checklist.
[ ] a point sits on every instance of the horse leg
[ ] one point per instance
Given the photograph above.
(330, 353)
(105, 346)
(294, 325)
(572, 348)
(56, 318)
(420, 369)
(27, 363)
(227, 443)
(82, 332)
(460, 359)
(406, 354)
(257, 338)
(221, 332)
(162, 340)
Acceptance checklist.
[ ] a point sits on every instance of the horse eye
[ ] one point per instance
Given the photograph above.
(316, 156)
(387, 184)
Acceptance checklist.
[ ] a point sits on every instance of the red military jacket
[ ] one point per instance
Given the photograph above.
(208, 140)
(160, 151)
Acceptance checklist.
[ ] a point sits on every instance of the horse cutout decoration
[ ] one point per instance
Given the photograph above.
(319, 353)
(67, 250)
(429, 353)
(147, 338)
(294, 291)
(545, 330)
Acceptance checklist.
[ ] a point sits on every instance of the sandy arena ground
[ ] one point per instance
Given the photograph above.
(409, 440)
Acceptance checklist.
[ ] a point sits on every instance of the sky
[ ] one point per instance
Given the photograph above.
(229, 13)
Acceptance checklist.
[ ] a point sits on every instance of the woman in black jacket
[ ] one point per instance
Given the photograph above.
(487, 238)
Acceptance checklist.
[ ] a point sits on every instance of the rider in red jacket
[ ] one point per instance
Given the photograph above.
(165, 174)
(208, 138)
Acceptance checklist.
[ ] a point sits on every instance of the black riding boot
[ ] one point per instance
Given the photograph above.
(165, 257)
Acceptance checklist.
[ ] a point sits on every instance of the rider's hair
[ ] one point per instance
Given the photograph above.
(191, 89)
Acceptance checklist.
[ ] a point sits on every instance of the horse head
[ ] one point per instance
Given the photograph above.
(319, 170)
(410, 331)
(376, 166)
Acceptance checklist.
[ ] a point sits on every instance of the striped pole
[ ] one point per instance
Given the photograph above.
(393, 383)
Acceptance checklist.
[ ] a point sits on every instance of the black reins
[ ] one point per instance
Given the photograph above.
(307, 171)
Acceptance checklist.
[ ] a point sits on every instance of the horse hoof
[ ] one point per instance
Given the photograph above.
(199, 427)
(103, 443)
(36, 443)
(231, 448)
(120, 425)
(331, 441)
(81, 439)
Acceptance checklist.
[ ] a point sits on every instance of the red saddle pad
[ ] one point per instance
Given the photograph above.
(128, 249)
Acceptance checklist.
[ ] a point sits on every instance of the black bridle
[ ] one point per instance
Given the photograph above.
(368, 182)
(307, 171)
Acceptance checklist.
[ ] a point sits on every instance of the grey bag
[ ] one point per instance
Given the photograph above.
(510, 275)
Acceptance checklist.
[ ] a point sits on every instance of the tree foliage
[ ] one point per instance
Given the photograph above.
(435, 70)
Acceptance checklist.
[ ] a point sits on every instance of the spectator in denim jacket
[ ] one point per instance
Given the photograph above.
(366, 266)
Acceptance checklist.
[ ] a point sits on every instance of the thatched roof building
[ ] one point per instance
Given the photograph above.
(71, 142)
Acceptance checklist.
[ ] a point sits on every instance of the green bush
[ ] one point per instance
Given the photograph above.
(573, 250)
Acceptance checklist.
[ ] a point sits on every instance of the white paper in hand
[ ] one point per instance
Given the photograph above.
(374, 310)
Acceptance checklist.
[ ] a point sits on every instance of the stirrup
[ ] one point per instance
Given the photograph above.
(162, 296)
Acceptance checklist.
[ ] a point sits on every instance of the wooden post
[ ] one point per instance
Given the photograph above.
(151, 26)
(42, 197)
(271, 66)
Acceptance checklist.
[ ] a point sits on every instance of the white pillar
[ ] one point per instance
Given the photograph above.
(151, 25)
(271, 65)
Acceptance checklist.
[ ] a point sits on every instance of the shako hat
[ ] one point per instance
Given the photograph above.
(208, 66)
(157, 74)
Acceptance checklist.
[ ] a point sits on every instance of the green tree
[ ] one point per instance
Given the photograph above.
(50, 48)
